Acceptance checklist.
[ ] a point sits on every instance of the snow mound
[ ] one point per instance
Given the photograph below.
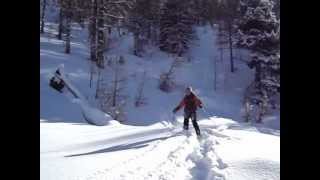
(95, 116)
(92, 115)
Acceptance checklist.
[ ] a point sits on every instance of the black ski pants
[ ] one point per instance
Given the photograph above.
(193, 116)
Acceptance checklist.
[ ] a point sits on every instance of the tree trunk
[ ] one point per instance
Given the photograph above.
(154, 35)
(60, 24)
(43, 15)
(230, 46)
(136, 44)
(101, 37)
(215, 74)
(261, 111)
(109, 30)
(258, 74)
(106, 40)
(93, 31)
(68, 35)
(98, 84)
(115, 87)
(221, 55)
(91, 73)
(119, 29)
(149, 31)
(114, 94)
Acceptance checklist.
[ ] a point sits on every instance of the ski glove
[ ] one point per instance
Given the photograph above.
(175, 110)
(200, 106)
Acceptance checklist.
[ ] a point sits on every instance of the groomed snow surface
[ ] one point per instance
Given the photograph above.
(150, 144)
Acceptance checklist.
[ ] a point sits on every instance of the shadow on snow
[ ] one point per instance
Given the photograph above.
(135, 145)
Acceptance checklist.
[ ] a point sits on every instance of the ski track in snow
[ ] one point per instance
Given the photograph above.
(208, 165)
(189, 159)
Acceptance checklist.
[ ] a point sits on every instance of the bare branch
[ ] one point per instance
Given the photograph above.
(113, 16)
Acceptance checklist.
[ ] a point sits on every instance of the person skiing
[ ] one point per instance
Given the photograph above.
(190, 102)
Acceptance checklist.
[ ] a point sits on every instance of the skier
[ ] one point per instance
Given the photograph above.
(190, 103)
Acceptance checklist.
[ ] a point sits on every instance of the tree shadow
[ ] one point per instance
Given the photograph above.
(245, 127)
(135, 145)
(72, 121)
(255, 127)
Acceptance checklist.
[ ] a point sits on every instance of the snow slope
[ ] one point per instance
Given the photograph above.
(147, 145)
(157, 152)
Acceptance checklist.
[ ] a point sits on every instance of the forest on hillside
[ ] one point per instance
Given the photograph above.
(251, 25)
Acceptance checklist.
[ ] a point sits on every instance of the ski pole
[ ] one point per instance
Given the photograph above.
(174, 121)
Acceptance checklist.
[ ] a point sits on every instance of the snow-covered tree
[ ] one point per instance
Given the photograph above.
(143, 22)
(110, 89)
(166, 83)
(102, 15)
(154, 17)
(138, 25)
(176, 27)
(206, 11)
(259, 32)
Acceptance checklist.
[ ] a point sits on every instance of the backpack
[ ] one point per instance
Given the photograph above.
(56, 84)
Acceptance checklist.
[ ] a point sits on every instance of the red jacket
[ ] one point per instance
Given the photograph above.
(190, 103)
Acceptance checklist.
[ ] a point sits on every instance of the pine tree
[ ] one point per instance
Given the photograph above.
(206, 11)
(166, 82)
(68, 11)
(176, 29)
(43, 12)
(259, 32)
(199, 11)
(277, 8)
(143, 22)
(228, 13)
(103, 14)
(138, 25)
(154, 18)
(110, 91)
(139, 29)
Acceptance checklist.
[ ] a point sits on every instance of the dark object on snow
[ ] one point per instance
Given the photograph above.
(190, 102)
(57, 83)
